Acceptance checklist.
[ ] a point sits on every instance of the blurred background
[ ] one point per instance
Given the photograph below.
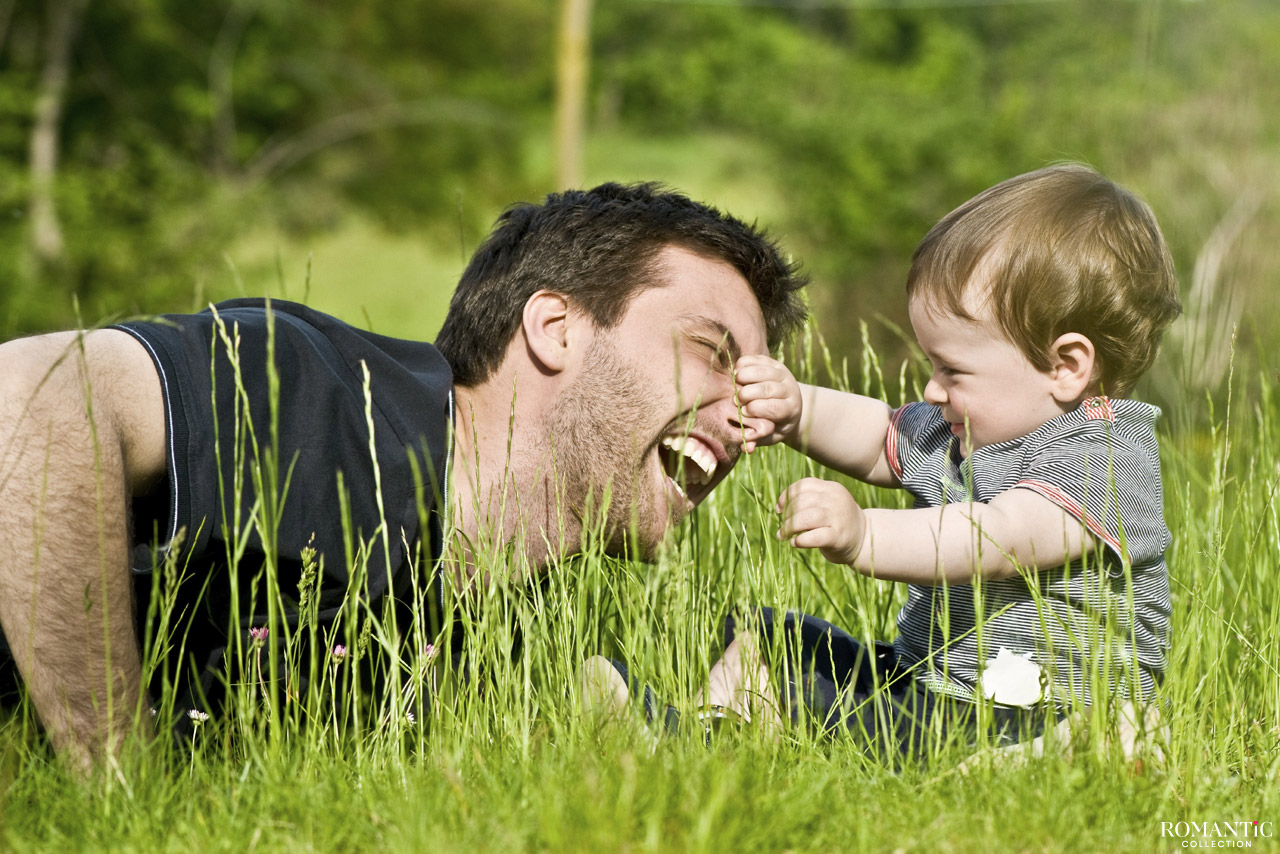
(156, 155)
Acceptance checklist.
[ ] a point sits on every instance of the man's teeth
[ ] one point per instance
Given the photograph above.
(702, 457)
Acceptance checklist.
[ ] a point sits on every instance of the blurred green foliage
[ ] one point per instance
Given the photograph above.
(880, 120)
(188, 126)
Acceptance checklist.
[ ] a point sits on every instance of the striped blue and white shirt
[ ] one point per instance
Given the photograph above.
(1098, 624)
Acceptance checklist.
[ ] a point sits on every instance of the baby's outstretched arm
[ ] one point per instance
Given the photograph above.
(841, 430)
(1018, 531)
(821, 514)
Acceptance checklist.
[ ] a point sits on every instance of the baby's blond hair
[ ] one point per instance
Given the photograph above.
(1062, 249)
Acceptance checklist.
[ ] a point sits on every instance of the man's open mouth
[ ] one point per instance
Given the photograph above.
(689, 463)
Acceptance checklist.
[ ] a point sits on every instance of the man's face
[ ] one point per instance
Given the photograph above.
(651, 416)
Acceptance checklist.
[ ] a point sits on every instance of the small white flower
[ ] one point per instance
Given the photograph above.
(198, 717)
(410, 716)
(1011, 679)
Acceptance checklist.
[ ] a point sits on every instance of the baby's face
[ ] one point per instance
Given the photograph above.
(987, 389)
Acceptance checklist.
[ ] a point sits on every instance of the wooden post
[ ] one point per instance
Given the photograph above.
(46, 230)
(572, 53)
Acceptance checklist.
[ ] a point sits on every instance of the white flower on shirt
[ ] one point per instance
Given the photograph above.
(1011, 679)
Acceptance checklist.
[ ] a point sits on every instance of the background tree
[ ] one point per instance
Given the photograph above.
(169, 131)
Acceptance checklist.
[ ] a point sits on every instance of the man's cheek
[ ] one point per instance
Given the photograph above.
(685, 397)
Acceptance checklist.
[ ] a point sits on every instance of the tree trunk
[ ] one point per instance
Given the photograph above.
(571, 90)
(6, 15)
(46, 230)
(221, 77)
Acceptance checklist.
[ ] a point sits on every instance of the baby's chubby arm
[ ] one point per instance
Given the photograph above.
(953, 544)
(843, 431)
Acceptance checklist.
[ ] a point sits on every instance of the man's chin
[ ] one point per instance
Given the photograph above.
(632, 543)
(640, 533)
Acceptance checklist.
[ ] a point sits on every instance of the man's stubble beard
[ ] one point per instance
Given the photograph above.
(593, 443)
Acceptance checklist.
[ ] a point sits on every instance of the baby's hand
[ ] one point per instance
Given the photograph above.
(819, 514)
(770, 398)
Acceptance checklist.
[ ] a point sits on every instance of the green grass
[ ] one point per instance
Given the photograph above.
(609, 796)
(503, 756)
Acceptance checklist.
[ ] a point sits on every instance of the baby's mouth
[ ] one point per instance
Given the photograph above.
(689, 463)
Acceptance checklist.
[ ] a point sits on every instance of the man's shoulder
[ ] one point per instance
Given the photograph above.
(336, 399)
(303, 333)
(321, 364)
(408, 380)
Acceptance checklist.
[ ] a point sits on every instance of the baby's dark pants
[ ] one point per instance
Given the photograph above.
(836, 683)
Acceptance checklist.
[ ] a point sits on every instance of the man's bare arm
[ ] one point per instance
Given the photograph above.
(81, 429)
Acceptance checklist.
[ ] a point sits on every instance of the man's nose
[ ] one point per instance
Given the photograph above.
(934, 394)
(734, 416)
(729, 415)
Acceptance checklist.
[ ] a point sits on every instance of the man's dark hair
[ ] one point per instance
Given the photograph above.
(598, 248)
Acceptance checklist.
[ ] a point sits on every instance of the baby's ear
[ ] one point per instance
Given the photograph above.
(1073, 360)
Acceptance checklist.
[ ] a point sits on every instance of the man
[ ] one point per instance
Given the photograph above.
(587, 353)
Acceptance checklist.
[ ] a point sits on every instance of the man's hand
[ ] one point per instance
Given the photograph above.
(770, 397)
(820, 514)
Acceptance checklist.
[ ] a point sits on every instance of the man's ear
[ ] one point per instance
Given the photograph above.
(547, 325)
(1073, 360)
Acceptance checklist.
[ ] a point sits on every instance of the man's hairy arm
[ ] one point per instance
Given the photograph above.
(81, 429)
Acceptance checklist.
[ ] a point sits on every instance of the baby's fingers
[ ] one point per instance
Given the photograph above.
(800, 519)
(816, 538)
(772, 379)
(758, 366)
(756, 431)
(761, 389)
(756, 428)
(805, 486)
(772, 409)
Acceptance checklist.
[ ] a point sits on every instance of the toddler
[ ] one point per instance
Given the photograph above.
(1035, 552)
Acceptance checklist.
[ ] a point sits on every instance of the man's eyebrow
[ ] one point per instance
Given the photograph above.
(715, 332)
